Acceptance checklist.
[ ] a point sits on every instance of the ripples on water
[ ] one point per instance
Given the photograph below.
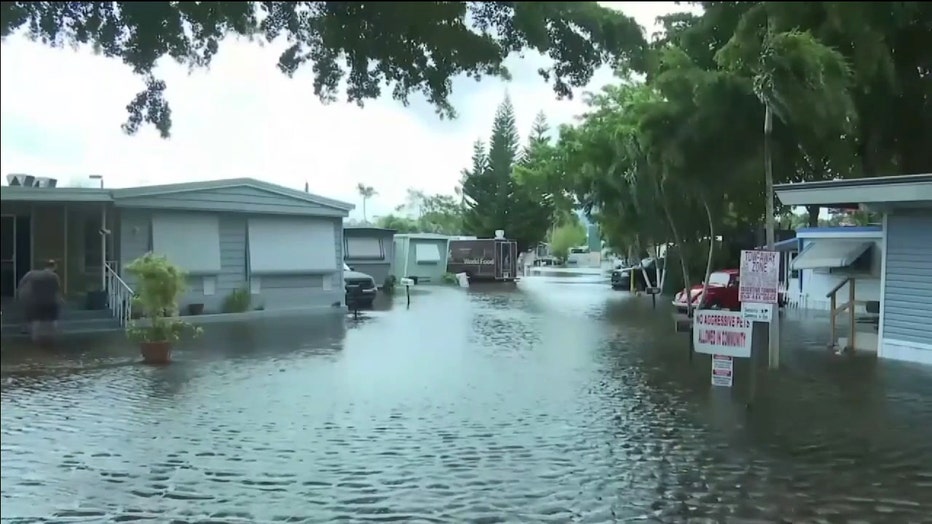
(556, 402)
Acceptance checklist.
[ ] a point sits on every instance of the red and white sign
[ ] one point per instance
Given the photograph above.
(725, 333)
(723, 371)
(760, 276)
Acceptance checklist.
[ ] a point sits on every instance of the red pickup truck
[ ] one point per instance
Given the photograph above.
(722, 291)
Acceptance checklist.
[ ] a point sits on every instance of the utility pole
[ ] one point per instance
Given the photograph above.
(773, 340)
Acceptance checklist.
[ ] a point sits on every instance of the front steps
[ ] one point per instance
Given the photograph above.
(72, 321)
(864, 341)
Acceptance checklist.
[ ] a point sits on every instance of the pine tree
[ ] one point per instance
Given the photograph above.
(493, 196)
(538, 136)
(474, 189)
(488, 187)
(532, 202)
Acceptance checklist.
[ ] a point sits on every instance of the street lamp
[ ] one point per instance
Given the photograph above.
(98, 177)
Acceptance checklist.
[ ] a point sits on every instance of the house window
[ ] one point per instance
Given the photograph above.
(92, 243)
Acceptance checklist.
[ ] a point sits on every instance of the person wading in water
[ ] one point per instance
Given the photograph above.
(40, 294)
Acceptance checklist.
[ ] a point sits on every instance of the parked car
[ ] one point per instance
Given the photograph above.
(621, 278)
(722, 293)
(367, 285)
(546, 261)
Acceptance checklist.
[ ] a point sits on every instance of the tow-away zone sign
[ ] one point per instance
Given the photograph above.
(724, 333)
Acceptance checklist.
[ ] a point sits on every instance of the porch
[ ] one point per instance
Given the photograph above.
(78, 236)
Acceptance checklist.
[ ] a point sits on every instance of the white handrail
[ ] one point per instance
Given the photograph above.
(119, 296)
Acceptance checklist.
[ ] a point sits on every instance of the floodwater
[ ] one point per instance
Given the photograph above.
(561, 401)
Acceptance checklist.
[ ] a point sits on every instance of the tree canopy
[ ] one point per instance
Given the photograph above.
(494, 196)
(423, 213)
(409, 47)
(677, 158)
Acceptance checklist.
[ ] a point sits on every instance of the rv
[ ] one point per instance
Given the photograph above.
(484, 259)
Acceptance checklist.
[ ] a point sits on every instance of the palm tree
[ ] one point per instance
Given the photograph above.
(366, 192)
(801, 82)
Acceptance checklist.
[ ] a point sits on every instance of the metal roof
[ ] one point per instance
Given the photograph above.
(80, 194)
(167, 189)
(361, 227)
(423, 236)
(903, 189)
(54, 194)
(858, 182)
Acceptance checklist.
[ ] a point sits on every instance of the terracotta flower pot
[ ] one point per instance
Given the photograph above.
(156, 352)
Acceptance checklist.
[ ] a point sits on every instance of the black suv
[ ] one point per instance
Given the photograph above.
(367, 287)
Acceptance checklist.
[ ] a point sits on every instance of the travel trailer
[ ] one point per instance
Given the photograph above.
(484, 259)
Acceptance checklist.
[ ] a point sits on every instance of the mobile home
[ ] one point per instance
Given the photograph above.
(369, 250)
(904, 326)
(281, 246)
(421, 257)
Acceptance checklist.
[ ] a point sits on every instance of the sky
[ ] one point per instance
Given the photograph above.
(61, 111)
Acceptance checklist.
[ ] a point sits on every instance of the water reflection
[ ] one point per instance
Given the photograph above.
(553, 402)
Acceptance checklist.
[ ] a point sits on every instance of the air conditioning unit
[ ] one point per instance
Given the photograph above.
(20, 179)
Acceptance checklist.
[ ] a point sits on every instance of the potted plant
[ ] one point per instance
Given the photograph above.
(159, 286)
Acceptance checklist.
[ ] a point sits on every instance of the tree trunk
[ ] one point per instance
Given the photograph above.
(768, 174)
(813, 212)
(661, 271)
(647, 281)
(681, 247)
(773, 340)
(708, 266)
(364, 218)
(641, 251)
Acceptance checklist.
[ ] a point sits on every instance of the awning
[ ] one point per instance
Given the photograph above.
(790, 244)
(825, 253)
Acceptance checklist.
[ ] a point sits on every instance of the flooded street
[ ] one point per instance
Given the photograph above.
(561, 401)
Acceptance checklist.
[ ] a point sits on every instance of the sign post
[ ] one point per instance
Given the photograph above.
(758, 292)
(757, 312)
(725, 335)
(723, 369)
(760, 277)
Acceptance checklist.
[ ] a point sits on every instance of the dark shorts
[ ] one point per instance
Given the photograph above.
(42, 313)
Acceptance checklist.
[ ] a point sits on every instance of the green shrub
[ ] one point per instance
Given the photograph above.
(565, 237)
(388, 287)
(237, 301)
